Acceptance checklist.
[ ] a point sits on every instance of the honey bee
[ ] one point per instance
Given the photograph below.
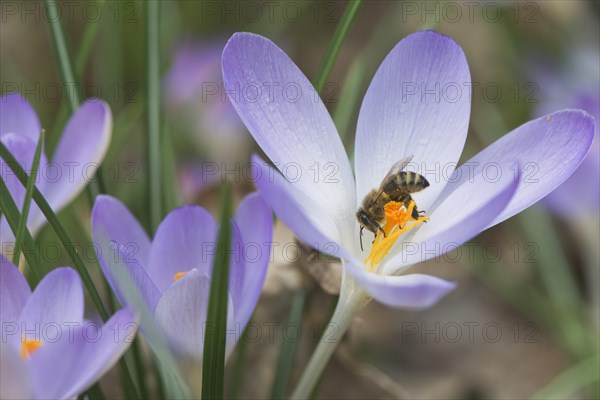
(397, 185)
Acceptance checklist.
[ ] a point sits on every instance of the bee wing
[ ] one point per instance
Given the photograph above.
(394, 170)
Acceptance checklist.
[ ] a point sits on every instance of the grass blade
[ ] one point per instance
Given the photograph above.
(349, 100)
(288, 348)
(30, 250)
(169, 185)
(153, 112)
(557, 278)
(336, 43)
(62, 52)
(238, 373)
(576, 378)
(67, 243)
(27, 200)
(89, 35)
(67, 72)
(216, 321)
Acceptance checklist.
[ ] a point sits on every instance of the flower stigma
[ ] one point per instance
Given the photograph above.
(398, 220)
(178, 276)
(29, 346)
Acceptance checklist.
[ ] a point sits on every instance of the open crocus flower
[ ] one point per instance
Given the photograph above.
(418, 104)
(172, 272)
(48, 350)
(80, 151)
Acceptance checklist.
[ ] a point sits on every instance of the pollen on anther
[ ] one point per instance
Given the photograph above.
(178, 276)
(29, 346)
(398, 220)
(395, 213)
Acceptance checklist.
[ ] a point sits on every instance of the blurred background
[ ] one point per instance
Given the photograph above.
(523, 322)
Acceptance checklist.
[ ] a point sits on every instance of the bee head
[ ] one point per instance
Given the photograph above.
(363, 218)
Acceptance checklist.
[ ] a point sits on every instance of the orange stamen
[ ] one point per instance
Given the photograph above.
(178, 276)
(29, 346)
(398, 220)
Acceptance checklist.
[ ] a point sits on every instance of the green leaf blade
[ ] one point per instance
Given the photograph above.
(216, 321)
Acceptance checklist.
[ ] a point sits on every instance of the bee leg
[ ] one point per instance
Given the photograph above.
(361, 233)
(415, 213)
(381, 230)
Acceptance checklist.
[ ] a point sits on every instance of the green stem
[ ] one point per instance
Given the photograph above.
(351, 301)
(338, 38)
(153, 113)
(27, 200)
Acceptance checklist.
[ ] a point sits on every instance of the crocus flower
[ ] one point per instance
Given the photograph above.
(418, 104)
(573, 85)
(197, 104)
(80, 151)
(48, 350)
(172, 272)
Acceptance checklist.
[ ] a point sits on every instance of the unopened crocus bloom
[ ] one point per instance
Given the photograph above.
(80, 151)
(172, 272)
(48, 350)
(198, 107)
(418, 104)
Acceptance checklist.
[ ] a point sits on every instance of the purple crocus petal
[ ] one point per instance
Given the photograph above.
(80, 151)
(23, 149)
(237, 266)
(129, 279)
(122, 244)
(547, 150)
(15, 380)
(417, 104)
(412, 291)
(466, 208)
(289, 122)
(181, 313)
(64, 369)
(576, 189)
(255, 221)
(184, 240)
(14, 292)
(18, 117)
(305, 218)
(57, 299)
(116, 221)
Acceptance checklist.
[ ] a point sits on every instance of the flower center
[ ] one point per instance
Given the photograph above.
(178, 276)
(29, 346)
(398, 220)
